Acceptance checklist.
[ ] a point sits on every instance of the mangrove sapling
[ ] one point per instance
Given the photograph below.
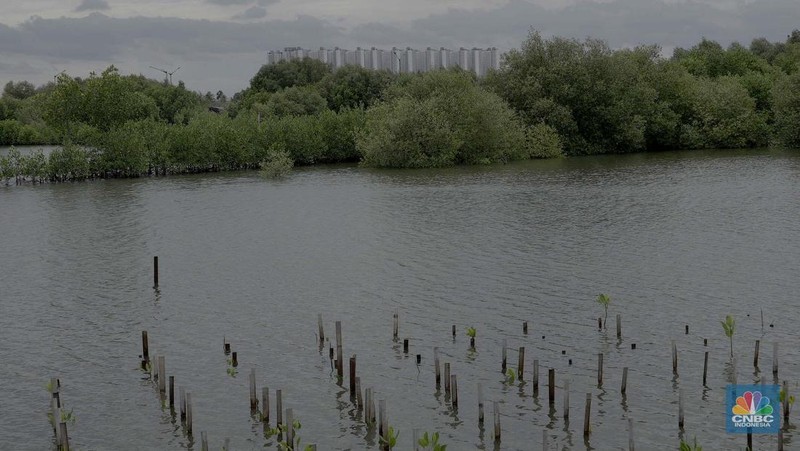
(431, 443)
(511, 376)
(604, 300)
(729, 325)
(783, 399)
(391, 438)
(281, 429)
(471, 333)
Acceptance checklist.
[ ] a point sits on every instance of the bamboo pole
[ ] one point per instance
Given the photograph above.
(436, 363)
(145, 350)
(454, 390)
(535, 377)
(353, 375)
(755, 355)
(189, 413)
(447, 377)
(339, 353)
(155, 272)
(321, 331)
(279, 407)
(587, 415)
(619, 325)
(600, 369)
(496, 406)
(505, 356)
(265, 405)
(253, 395)
(566, 399)
(551, 380)
(624, 387)
(680, 409)
(674, 358)
(480, 404)
(705, 368)
(521, 363)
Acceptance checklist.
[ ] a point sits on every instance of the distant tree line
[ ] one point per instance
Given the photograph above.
(552, 97)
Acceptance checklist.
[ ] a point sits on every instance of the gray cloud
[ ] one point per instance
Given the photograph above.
(254, 12)
(92, 5)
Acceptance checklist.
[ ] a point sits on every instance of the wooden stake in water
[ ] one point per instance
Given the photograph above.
(786, 402)
(447, 377)
(339, 353)
(454, 390)
(359, 399)
(155, 272)
(600, 369)
(162, 374)
(234, 359)
(680, 409)
(674, 358)
(521, 363)
(624, 387)
(525, 327)
(535, 377)
(383, 427)
(496, 406)
(705, 368)
(505, 356)
(265, 405)
(454, 331)
(551, 380)
(566, 399)
(630, 435)
(203, 441)
(405, 346)
(63, 436)
(599, 323)
(775, 359)
(395, 326)
(279, 407)
(353, 375)
(145, 350)
(154, 368)
(290, 428)
(321, 331)
(755, 355)
(687, 329)
(172, 393)
(436, 364)
(480, 404)
(587, 415)
(619, 326)
(253, 393)
(182, 392)
(189, 413)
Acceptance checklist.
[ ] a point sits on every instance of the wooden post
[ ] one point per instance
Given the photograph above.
(189, 413)
(705, 342)
(405, 346)
(674, 358)
(755, 356)
(436, 363)
(226, 348)
(353, 375)
(359, 399)
(566, 399)
(367, 406)
(454, 332)
(525, 327)
(447, 377)
(279, 407)
(505, 356)
(155, 272)
(203, 441)
(749, 440)
(496, 406)
(630, 435)
(162, 374)
(587, 415)
(253, 395)
(234, 360)
(172, 393)
(551, 380)
(600, 369)
(63, 436)
(624, 387)
(619, 325)
(705, 368)
(419, 359)
(600, 323)
(265, 405)
(56, 412)
(339, 353)
(370, 406)
(454, 390)
(395, 326)
(321, 331)
(290, 428)
(154, 368)
(480, 404)
(780, 439)
(145, 350)
(786, 402)
(687, 329)
(535, 377)
(521, 363)
(383, 426)
(182, 392)
(680, 409)
(775, 359)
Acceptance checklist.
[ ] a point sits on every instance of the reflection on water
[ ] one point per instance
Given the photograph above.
(674, 238)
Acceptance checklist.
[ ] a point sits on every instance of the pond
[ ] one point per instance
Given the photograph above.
(676, 239)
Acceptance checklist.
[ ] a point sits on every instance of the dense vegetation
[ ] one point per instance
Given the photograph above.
(552, 97)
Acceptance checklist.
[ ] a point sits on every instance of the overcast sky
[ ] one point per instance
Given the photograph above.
(220, 44)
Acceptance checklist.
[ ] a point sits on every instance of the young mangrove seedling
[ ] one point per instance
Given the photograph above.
(784, 400)
(687, 447)
(391, 438)
(604, 300)
(729, 325)
(431, 443)
(511, 376)
(471, 333)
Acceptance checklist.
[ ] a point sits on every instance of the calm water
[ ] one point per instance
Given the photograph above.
(674, 238)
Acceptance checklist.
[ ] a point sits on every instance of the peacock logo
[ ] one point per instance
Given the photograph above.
(752, 403)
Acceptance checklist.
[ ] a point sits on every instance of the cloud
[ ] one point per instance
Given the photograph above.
(92, 5)
(254, 12)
